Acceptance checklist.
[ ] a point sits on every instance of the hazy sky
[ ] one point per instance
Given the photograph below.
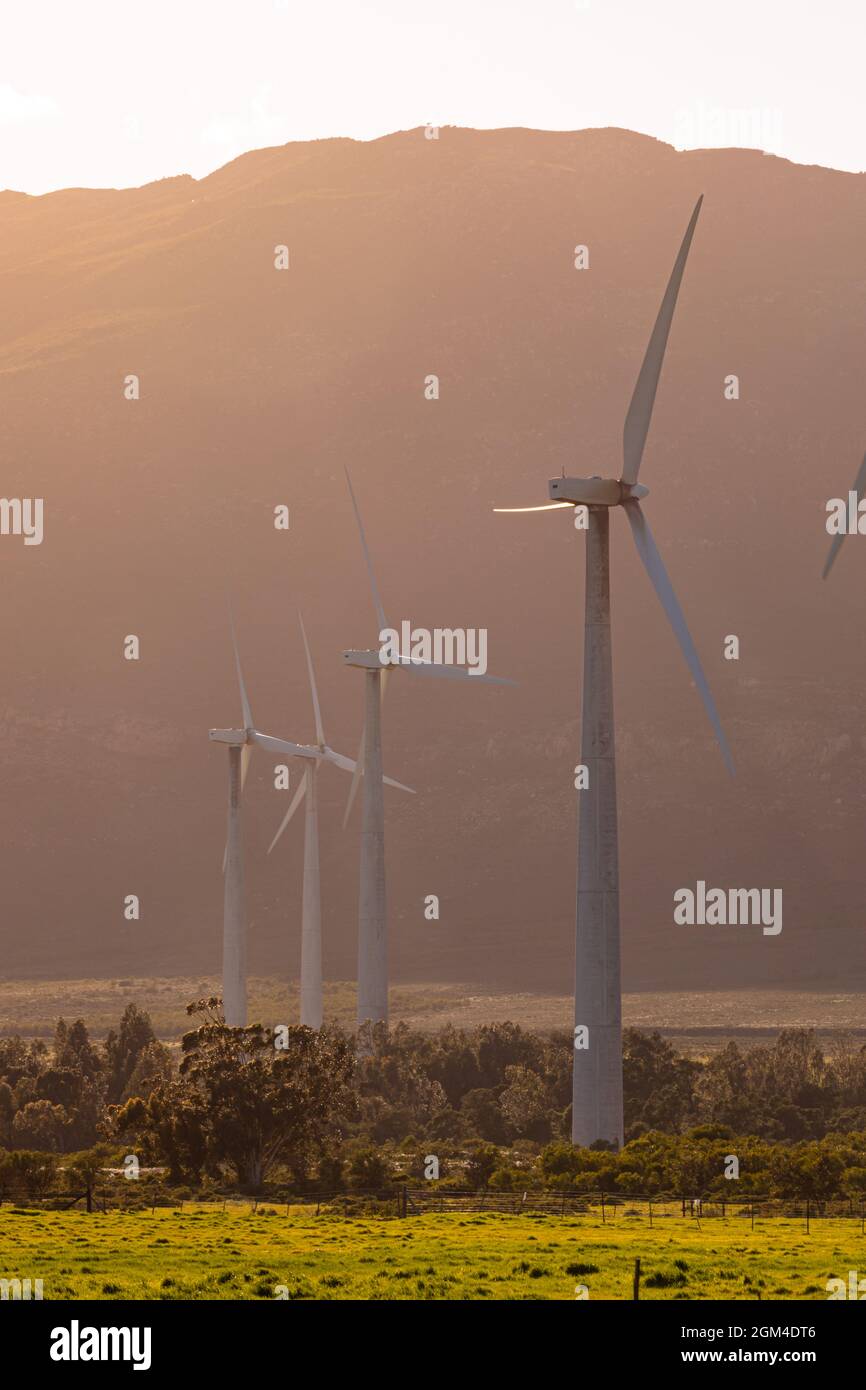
(102, 93)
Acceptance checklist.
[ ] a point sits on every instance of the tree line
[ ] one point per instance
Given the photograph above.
(491, 1105)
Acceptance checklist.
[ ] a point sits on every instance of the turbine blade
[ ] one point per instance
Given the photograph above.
(454, 673)
(377, 602)
(358, 774)
(349, 765)
(859, 484)
(246, 754)
(401, 786)
(320, 733)
(548, 507)
(296, 801)
(831, 558)
(245, 704)
(282, 745)
(654, 566)
(340, 760)
(637, 421)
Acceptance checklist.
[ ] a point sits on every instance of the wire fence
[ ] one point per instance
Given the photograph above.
(405, 1201)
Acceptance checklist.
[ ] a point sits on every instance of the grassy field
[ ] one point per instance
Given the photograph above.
(203, 1253)
(697, 1023)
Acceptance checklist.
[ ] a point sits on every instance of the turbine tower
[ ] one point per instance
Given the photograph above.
(372, 907)
(240, 745)
(597, 1111)
(311, 911)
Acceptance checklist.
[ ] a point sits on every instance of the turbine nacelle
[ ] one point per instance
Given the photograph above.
(593, 492)
(235, 738)
(367, 661)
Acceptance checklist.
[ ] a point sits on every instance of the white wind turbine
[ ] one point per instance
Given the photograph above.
(311, 911)
(240, 745)
(597, 1112)
(372, 907)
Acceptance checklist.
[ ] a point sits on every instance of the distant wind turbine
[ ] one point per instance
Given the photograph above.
(597, 1111)
(311, 912)
(240, 745)
(372, 909)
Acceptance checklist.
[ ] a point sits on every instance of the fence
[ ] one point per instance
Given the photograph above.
(405, 1201)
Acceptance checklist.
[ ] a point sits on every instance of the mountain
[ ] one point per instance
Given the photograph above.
(411, 257)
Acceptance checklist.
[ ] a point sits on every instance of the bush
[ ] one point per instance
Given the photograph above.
(368, 1170)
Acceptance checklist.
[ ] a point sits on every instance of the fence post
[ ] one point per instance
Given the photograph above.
(650, 1204)
(807, 1216)
(752, 1211)
(636, 1284)
(602, 1208)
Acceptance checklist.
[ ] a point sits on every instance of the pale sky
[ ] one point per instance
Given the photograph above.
(102, 93)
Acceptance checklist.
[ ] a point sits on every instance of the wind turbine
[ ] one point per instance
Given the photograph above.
(311, 911)
(240, 745)
(372, 909)
(836, 544)
(597, 1112)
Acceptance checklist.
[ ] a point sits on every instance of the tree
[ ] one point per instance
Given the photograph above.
(560, 1161)
(483, 1162)
(124, 1049)
(169, 1124)
(32, 1172)
(154, 1066)
(484, 1116)
(658, 1084)
(39, 1125)
(526, 1103)
(7, 1111)
(73, 1049)
(84, 1169)
(369, 1170)
(255, 1099)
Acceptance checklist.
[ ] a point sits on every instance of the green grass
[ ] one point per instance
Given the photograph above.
(203, 1253)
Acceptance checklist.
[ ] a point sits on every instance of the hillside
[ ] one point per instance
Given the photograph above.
(411, 257)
